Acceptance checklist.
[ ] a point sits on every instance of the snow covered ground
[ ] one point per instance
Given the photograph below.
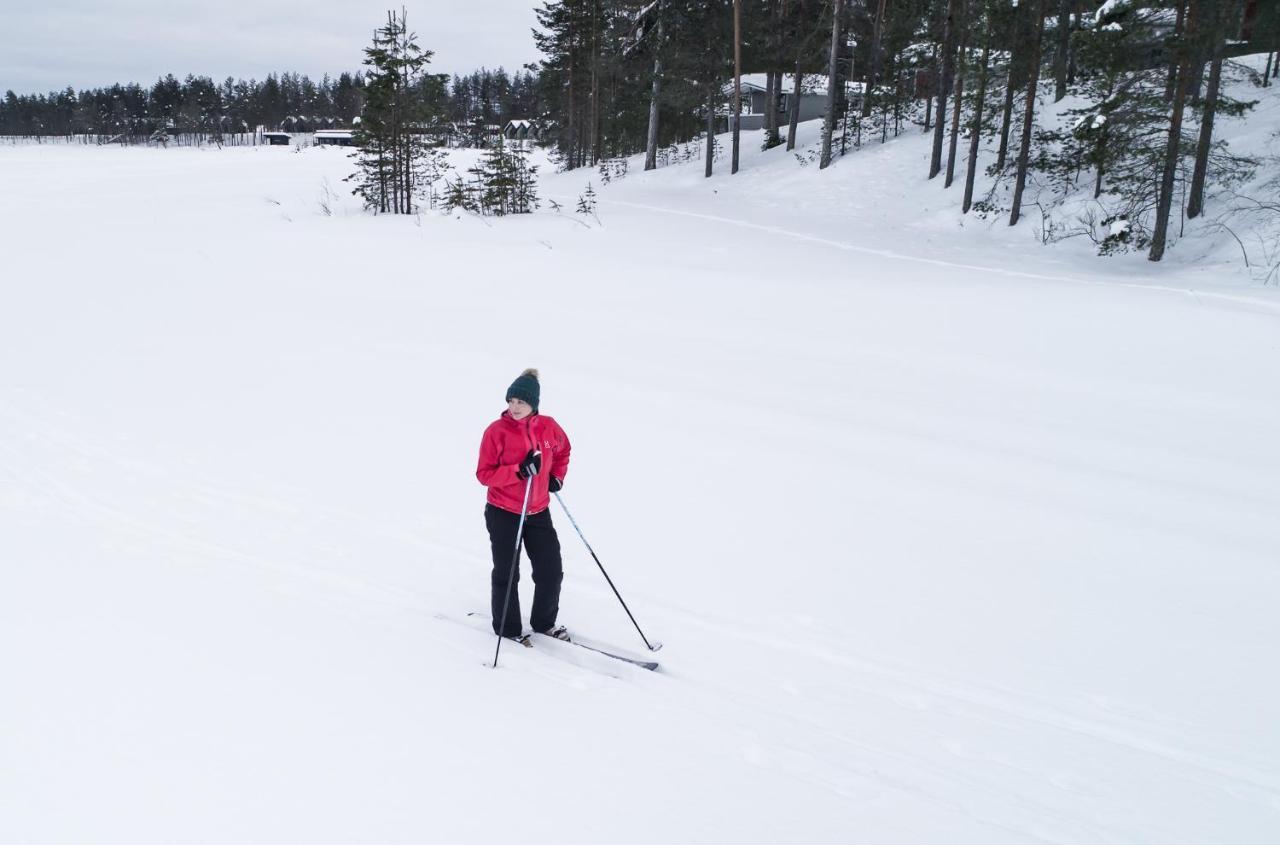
(950, 539)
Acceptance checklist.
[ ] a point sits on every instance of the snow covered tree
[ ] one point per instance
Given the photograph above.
(1121, 128)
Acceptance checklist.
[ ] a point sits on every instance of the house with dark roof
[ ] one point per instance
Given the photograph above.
(335, 137)
(812, 103)
(521, 130)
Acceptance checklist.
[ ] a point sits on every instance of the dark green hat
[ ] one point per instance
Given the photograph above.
(525, 388)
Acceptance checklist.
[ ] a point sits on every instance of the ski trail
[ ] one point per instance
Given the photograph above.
(1234, 299)
(976, 701)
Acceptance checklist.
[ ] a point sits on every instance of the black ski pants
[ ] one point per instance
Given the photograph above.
(543, 547)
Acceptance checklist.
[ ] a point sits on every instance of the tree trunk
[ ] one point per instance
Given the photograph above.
(1060, 54)
(1195, 203)
(774, 83)
(1178, 26)
(737, 81)
(793, 115)
(1159, 236)
(976, 130)
(928, 103)
(771, 111)
(1104, 137)
(651, 141)
(1266, 74)
(958, 106)
(1017, 37)
(884, 114)
(711, 128)
(1197, 81)
(571, 133)
(873, 75)
(1028, 119)
(897, 109)
(837, 6)
(944, 86)
(1005, 122)
(1071, 53)
(595, 82)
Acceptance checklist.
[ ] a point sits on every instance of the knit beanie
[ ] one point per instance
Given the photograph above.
(525, 388)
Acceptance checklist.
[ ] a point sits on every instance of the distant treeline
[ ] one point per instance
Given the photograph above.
(288, 101)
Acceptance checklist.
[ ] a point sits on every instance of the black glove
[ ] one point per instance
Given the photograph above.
(530, 465)
(555, 484)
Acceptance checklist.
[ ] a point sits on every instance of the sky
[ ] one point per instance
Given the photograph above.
(49, 45)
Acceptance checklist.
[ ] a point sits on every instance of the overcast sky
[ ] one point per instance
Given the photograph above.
(49, 44)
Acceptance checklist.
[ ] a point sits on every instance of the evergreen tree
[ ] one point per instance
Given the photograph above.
(392, 156)
(570, 39)
(587, 201)
(1029, 108)
(502, 182)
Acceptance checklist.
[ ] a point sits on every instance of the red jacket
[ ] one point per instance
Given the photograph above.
(503, 447)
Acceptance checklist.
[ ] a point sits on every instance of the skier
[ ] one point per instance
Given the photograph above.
(519, 445)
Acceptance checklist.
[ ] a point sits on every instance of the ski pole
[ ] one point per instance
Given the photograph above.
(511, 576)
(606, 575)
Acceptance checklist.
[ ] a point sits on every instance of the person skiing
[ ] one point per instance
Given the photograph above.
(520, 445)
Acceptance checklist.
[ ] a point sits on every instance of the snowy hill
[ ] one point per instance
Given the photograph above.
(877, 197)
(950, 539)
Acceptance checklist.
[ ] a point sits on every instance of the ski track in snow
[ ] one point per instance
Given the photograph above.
(868, 762)
(869, 767)
(1264, 305)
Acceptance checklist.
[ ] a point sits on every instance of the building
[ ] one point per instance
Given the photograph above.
(435, 134)
(276, 139)
(521, 130)
(812, 103)
(335, 137)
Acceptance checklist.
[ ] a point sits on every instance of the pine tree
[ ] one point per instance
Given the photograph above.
(1029, 110)
(587, 201)
(700, 38)
(1184, 52)
(502, 182)
(568, 38)
(833, 81)
(986, 18)
(392, 157)
(1221, 18)
(950, 27)
(958, 105)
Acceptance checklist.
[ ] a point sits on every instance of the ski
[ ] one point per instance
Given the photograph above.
(607, 651)
(651, 665)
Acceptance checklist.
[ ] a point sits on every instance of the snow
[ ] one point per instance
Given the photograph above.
(950, 537)
(1109, 8)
